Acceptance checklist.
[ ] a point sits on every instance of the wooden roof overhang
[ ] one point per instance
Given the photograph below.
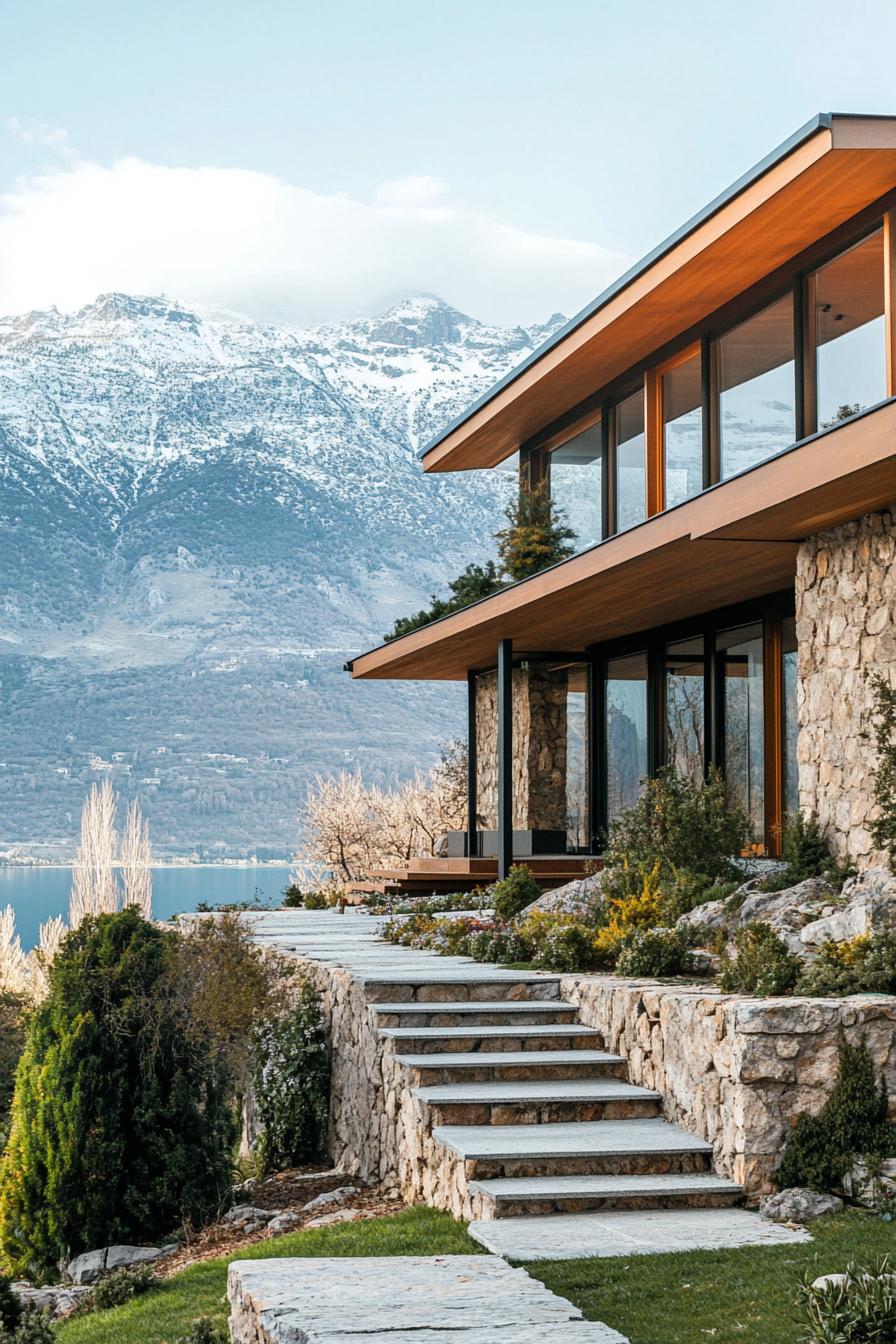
(734, 542)
(833, 168)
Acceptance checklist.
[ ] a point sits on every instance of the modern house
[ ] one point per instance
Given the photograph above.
(719, 427)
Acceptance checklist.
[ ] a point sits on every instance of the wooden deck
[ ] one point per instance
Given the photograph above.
(425, 877)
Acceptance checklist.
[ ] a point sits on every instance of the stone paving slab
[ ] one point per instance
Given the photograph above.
(585, 1138)
(482, 1033)
(586, 1089)
(462, 1299)
(630, 1232)
(511, 1059)
(474, 1006)
(661, 1185)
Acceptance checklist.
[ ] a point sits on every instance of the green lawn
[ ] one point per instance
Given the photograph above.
(166, 1314)
(722, 1297)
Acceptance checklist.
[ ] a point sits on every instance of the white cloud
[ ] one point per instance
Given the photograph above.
(252, 242)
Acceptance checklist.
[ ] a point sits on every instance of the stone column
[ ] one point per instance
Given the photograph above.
(539, 749)
(846, 630)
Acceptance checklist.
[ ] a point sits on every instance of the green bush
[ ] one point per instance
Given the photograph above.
(204, 1332)
(113, 1290)
(536, 535)
(10, 1306)
(315, 900)
(476, 582)
(859, 1308)
(292, 1085)
(120, 1124)
(566, 947)
(761, 965)
(33, 1328)
(860, 966)
(677, 826)
(503, 946)
(853, 1123)
(654, 952)
(513, 893)
(293, 897)
(686, 891)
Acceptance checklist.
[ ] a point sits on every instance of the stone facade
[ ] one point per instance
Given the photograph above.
(734, 1071)
(846, 628)
(539, 749)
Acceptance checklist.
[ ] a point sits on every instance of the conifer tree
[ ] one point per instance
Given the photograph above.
(536, 535)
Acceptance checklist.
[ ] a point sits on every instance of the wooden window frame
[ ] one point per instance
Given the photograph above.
(655, 423)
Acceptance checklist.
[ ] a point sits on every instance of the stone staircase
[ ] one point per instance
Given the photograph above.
(539, 1116)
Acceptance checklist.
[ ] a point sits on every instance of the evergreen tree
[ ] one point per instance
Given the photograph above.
(536, 535)
(477, 581)
(120, 1127)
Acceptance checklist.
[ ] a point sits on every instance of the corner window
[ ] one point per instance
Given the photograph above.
(626, 730)
(756, 373)
(846, 310)
(682, 401)
(576, 469)
(631, 470)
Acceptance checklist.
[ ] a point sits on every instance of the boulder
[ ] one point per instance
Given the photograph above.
(57, 1301)
(581, 897)
(284, 1222)
(788, 911)
(92, 1265)
(324, 1201)
(798, 1205)
(337, 1216)
(867, 905)
(248, 1213)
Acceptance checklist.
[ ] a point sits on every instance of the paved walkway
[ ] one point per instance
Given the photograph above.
(565, 1156)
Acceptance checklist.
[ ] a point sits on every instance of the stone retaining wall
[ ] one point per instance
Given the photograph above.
(846, 628)
(735, 1071)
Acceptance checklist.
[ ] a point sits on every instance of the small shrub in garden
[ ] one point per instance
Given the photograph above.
(314, 900)
(568, 947)
(204, 1332)
(805, 853)
(677, 825)
(10, 1306)
(654, 952)
(292, 1085)
(761, 965)
(640, 909)
(853, 1123)
(293, 897)
(514, 892)
(118, 1288)
(859, 1308)
(34, 1327)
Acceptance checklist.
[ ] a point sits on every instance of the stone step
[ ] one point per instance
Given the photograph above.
(467, 1038)
(537, 1102)
(537, 1195)
(513, 1012)
(627, 1232)
(485, 1066)
(470, 982)
(585, 1148)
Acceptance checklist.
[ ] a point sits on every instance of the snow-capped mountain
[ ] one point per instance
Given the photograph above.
(201, 519)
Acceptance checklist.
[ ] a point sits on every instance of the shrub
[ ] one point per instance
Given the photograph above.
(687, 891)
(566, 947)
(503, 946)
(293, 897)
(860, 965)
(315, 900)
(476, 582)
(761, 965)
(12, 1041)
(857, 1308)
(625, 913)
(514, 892)
(204, 1332)
(677, 825)
(117, 1288)
(10, 1306)
(853, 1123)
(120, 1124)
(654, 952)
(292, 1085)
(883, 724)
(33, 1328)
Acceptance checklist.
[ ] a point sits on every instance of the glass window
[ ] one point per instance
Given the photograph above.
(683, 431)
(791, 722)
(576, 481)
(631, 475)
(756, 372)
(626, 732)
(847, 300)
(685, 707)
(740, 659)
(577, 736)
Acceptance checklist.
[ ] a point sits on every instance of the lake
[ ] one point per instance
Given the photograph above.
(36, 894)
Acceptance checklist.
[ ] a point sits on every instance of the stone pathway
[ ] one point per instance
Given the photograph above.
(557, 1153)
(453, 1299)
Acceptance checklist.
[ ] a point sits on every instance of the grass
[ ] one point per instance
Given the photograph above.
(721, 1297)
(167, 1313)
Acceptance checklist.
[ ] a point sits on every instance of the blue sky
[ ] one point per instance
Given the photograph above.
(302, 161)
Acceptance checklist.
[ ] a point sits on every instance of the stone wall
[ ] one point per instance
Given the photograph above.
(735, 1071)
(846, 628)
(539, 749)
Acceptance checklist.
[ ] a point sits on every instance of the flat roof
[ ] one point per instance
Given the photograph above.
(800, 194)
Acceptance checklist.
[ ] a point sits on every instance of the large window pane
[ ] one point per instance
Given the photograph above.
(631, 477)
(577, 737)
(847, 296)
(685, 707)
(756, 388)
(576, 479)
(626, 732)
(683, 431)
(740, 659)
(791, 722)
